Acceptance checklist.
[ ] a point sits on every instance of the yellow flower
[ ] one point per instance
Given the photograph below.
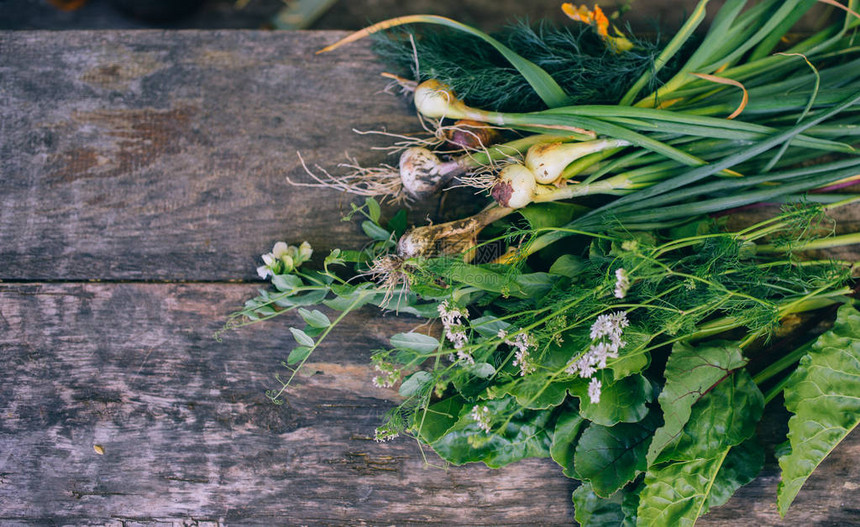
(598, 19)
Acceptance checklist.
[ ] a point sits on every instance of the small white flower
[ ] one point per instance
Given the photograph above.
(280, 249)
(586, 366)
(269, 259)
(389, 374)
(305, 251)
(481, 416)
(600, 352)
(383, 434)
(454, 328)
(622, 283)
(609, 325)
(594, 391)
(465, 356)
(264, 271)
(523, 342)
(606, 336)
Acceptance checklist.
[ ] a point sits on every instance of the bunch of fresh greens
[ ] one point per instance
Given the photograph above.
(625, 360)
(623, 353)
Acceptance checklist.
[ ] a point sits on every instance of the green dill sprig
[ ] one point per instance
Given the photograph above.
(574, 55)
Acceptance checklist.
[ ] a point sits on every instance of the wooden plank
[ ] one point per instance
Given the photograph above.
(188, 433)
(154, 155)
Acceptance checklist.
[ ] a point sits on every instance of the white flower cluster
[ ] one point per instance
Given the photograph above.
(453, 319)
(606, 341)
(622, 283)
(522, 358)
(389, 375)
(284, 259)
(384, 433)
(481, 415)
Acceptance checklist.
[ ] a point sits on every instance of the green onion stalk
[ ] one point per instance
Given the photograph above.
(674, 135)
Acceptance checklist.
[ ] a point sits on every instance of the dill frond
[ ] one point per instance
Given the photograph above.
(575, 56)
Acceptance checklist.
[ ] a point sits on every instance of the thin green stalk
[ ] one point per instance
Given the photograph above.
(674, 45)
(776, 389)
(322, 337)
(822, 243)
(784, 362)
(696, 174)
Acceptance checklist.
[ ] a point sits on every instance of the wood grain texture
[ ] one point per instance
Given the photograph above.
(188, 433)
(155, 155)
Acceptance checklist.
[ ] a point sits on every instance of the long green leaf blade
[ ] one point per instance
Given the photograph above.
(696, 174)
(541, 82)
(690, 372)
(668, 52)
(824, 396)
(691, 474)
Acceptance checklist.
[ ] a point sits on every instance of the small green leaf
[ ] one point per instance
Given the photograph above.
(489, 326)
(397, 223)
(302, 338)
(543, 215)
(568, 265)
(564, 439)
(420, 310)
(824, 396)
(610, 457)
(374, 231)
(349, 296)
(311, 298)
(415, 383)
(298, 354)
(536, 285)
(315, 318)
(286, 282)
(312, 331)
(373, 209)
(620, 402)
(535, 392)
(482, 370)
(690, 372)
(590, 510)
(439, 418)
(524, 436)
(416, 342)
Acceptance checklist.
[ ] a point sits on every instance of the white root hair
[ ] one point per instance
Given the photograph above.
(382, 181)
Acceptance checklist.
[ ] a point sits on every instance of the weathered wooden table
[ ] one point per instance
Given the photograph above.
(142, 175)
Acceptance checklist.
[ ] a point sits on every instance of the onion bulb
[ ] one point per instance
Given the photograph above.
(547, 161)
(515, 188)
(436, 100)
